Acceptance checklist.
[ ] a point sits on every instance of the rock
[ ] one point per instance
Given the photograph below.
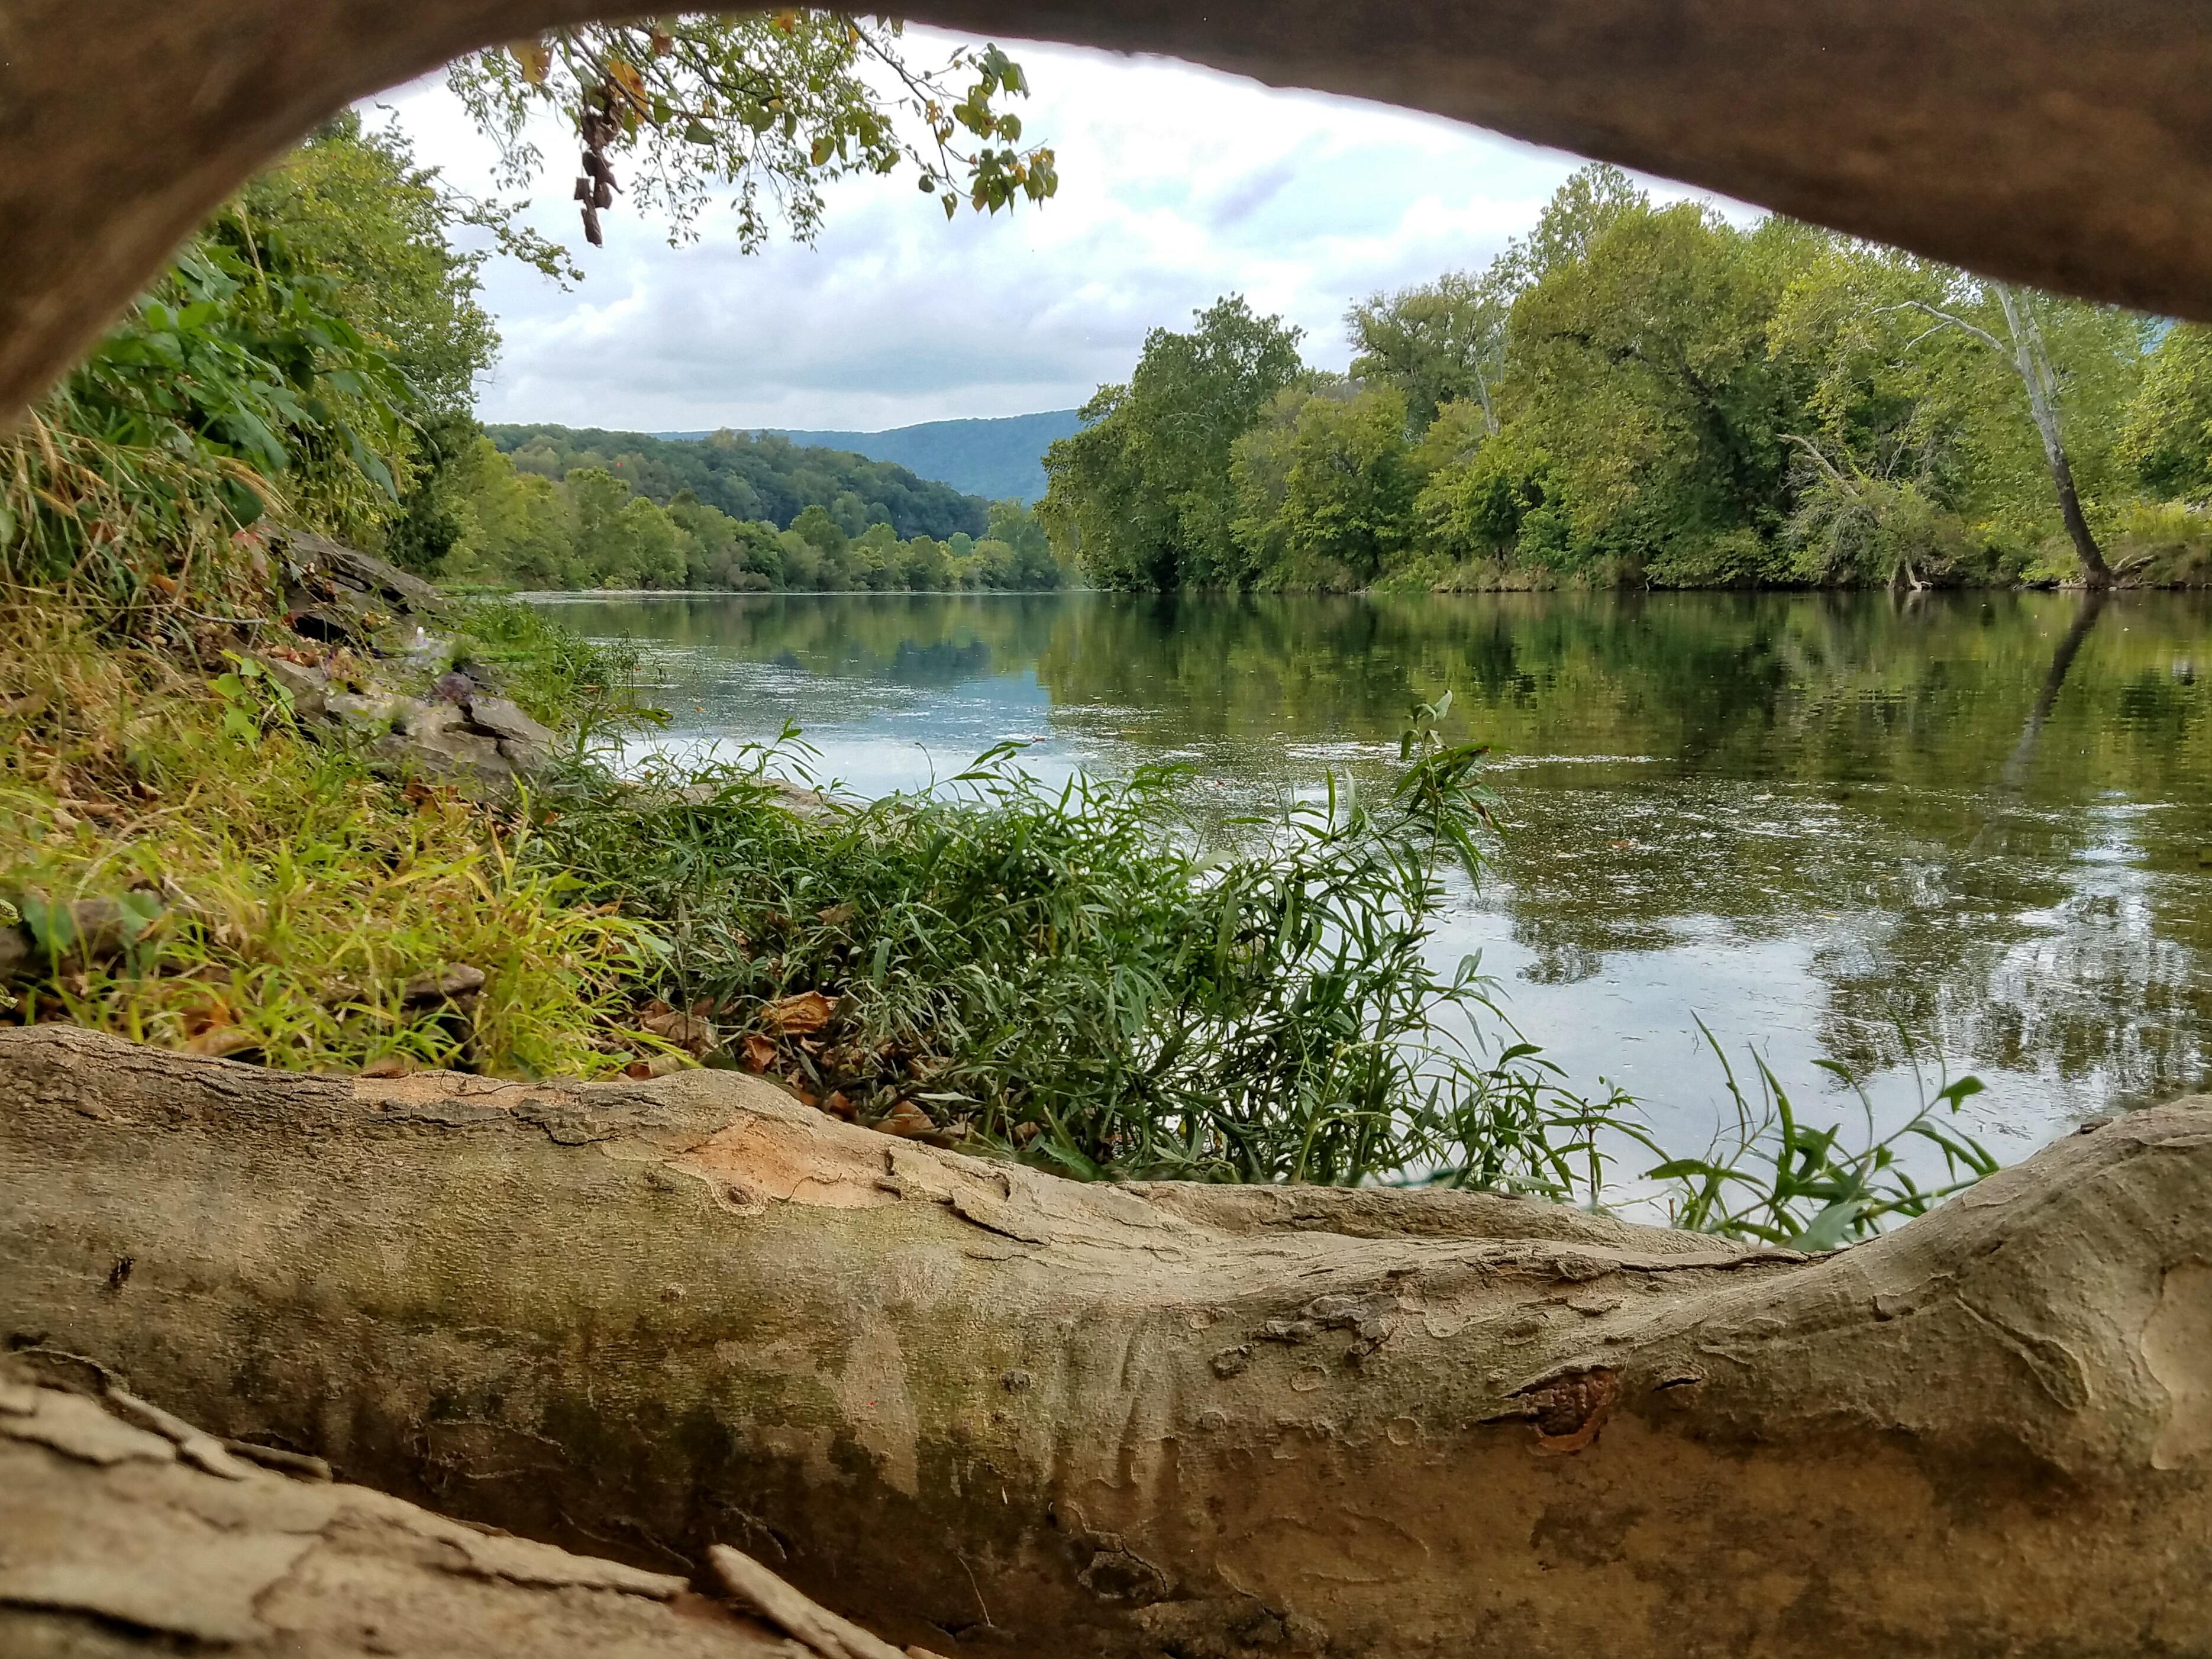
(525, 757)
(502, 719)
(456, 979)
(425, 719)
(454, 756)
(363, 711)
(309, 686)
(332, 571)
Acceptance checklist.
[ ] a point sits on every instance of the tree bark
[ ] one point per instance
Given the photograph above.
(2032, 361)
(114, 1546)
(972, 1406)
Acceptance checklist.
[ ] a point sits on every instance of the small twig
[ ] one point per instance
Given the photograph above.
(753, 1587)
(195, 1446)
(307, 1468)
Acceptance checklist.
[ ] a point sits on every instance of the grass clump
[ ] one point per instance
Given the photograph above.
(275, 899)
(1061, 971)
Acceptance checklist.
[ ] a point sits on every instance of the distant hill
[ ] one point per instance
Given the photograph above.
(996, 459)
(765, 478)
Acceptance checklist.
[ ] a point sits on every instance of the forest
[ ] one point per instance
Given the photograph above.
(543, 508)
(1640, 394)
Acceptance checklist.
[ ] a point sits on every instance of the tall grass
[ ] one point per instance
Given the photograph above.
(280, 897)
(1059, 970)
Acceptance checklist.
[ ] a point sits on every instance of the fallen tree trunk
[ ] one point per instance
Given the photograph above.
(969, 1405)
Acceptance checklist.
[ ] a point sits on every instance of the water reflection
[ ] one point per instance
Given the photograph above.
(1816, 820)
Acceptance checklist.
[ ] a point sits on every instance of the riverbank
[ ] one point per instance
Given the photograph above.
(201, 858)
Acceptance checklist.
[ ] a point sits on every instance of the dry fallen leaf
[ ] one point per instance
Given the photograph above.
(838, 1103)
(801, 1014)
(685, 1031)
(907, 1120)
(388, 1066)
(659, 1065)
(223, 1040)
(759, 1053)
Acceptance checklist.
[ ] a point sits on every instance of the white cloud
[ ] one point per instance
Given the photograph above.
(1178, 185)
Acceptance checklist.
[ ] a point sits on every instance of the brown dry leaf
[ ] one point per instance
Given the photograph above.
(223, 1040)
(838, 1103)
(837, 915)
(801, 1014)
(759, 1053)
(659, 1065)
(907, 1120)
(388, 1066)
(207, 1017)
(685, 1031)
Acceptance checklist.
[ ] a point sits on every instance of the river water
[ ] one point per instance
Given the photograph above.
(1968, 828)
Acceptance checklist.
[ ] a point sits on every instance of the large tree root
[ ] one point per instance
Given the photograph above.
(116, 1542)
(973, 1406)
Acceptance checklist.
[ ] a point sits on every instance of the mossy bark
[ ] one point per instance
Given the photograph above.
(974, 1407)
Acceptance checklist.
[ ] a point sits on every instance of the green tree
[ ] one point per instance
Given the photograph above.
(819, 530)
(604, 555)
(1034, 568)
(2166, 435)
(768, 106)
(1441, 343)
(1327, 501)
(659, 551)
(517, 527)
(924, 567)
(1140, 496)
(1641, 369)
(1995, 410)
(2017, 327)
(352, 203)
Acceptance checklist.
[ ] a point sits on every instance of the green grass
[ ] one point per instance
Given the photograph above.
(295, 894)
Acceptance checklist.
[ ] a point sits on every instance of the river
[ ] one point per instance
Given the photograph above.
(1968, 828)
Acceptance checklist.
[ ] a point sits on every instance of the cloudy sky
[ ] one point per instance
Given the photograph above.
(1177, 184)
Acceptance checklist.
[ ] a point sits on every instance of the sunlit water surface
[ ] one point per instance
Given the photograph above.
(1971, 829)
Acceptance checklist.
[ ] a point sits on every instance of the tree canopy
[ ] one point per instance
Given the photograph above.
(1647, 393)
(769, 106)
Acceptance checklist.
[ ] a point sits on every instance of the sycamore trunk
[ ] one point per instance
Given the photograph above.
(981, 1409)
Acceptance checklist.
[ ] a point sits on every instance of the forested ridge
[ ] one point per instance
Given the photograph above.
(548, 507)
(1639, 394)
(762, 476)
